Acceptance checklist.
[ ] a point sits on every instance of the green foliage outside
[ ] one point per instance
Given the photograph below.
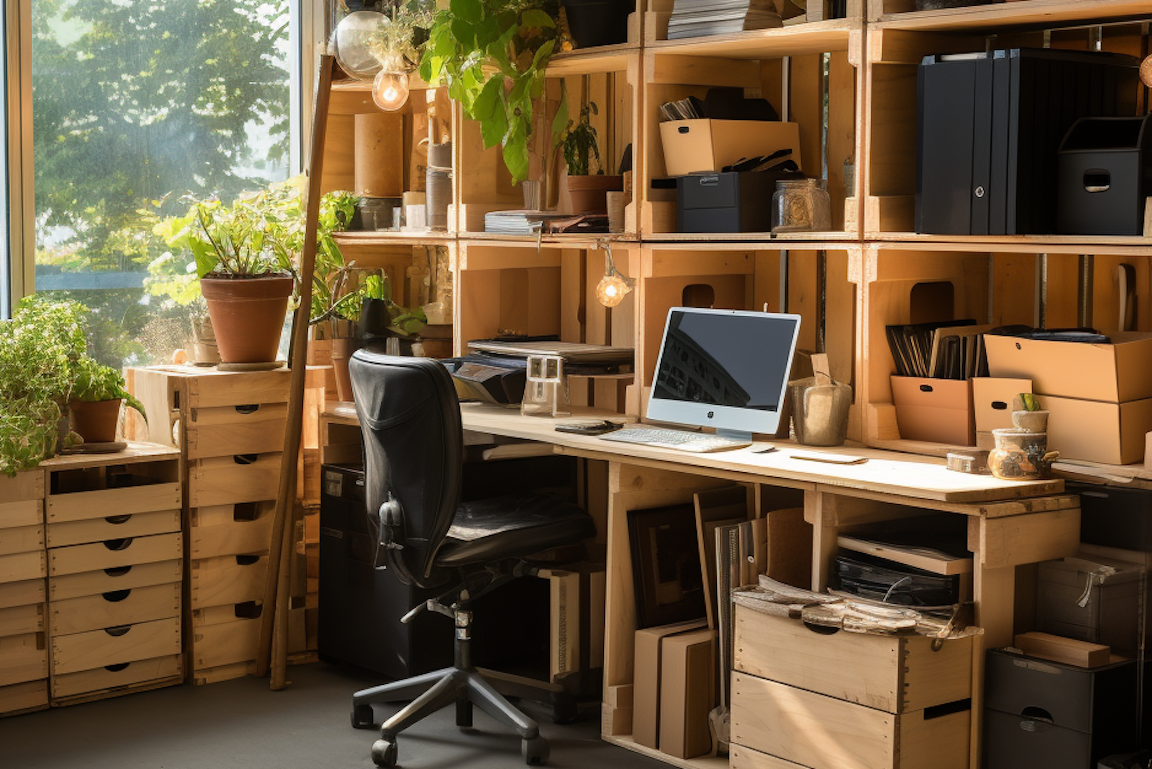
(580, 144)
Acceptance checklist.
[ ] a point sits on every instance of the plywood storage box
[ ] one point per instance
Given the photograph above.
(848, 700)
(23, 566)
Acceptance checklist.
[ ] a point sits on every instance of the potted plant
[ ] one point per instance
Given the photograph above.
(492, 55)
(97, 393)
(588, 191)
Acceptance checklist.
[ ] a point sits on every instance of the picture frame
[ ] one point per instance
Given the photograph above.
(666, 574)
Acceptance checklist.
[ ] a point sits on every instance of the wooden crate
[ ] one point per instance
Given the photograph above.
(124, 678)
(896, 674)
(20, 620)
(221, 638)
(227, 430)
(822, 732)
(230, 529)
(114, 554)
(114, 646)
(25, 658)
(23, 698)
(226, 580)
(63, 588)
(123, 607)
(232, 479)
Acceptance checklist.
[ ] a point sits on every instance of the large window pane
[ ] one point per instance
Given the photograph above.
(135, 104)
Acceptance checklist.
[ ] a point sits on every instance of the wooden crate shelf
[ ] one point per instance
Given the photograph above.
(901, 14)
(23, 595)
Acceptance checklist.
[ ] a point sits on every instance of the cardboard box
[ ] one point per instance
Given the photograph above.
(1095, 431)
(938, 410)
(692, 146)
(687, 693)
(646, 680)
(992, 401)
(1116, 372)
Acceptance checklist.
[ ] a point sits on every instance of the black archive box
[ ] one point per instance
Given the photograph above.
(728, 201)
(1105, 172)
(989, 126)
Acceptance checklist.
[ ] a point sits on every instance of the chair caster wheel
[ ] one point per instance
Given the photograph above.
(535, 751)
(361, 716)
(564, 710)
(384, 753)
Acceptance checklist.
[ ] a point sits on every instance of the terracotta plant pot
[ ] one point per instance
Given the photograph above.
(95, 421)
(590, 193)
(342, 350)
(247, 315)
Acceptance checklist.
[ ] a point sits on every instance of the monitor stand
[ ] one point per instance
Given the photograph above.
(736, 435)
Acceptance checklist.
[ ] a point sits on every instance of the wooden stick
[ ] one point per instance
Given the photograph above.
(299, 357)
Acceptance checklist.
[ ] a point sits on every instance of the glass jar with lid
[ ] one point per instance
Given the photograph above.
(801, 205)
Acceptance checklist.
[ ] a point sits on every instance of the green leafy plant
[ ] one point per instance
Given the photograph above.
(40, 350)
(492, 55)
(580, 144)
(97, 382)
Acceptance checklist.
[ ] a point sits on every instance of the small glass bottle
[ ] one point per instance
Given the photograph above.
(801, 205)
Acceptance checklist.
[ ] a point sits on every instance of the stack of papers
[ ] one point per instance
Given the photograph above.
(520, 222)
(697, 18)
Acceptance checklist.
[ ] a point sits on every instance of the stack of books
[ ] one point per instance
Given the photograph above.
(519, 222)
(697, 18)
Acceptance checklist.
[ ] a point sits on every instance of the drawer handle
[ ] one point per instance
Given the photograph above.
(244, 511)
(248, 408)
(117, 668)
(1035, 720)
(118, 571)
(115, 596)
(118, 544)
(999, 406)
(248, 610)
(246, 560)
(245, 459)
(116, 632)
(116, 520)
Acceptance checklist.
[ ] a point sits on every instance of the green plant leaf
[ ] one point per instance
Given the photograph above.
(536, 18)
(516, 153)
(560, 121)
(470, 11)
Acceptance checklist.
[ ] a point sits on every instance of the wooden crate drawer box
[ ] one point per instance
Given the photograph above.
(112, 503)
(115, 645)
(235, 529)
(740, 757)
(24, 593)
(227, 430)
(23, 658)
(19, 567)
(21, 620)
(21, 539)
(232, 479)
(17, 491)
(114, 554)
(896, 674)
(113, 527)
(225, 643)
(227, 581)
(22, 698)
(111, 580)
(822, 732)
(115, 608)
(117, 676)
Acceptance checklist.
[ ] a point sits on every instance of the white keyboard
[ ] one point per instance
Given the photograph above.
(674, 439)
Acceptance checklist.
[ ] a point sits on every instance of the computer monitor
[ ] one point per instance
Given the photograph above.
(725, 369)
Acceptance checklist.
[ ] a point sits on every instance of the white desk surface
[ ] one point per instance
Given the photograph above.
(885, 472)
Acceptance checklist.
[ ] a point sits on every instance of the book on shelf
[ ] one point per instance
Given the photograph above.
(698, 18)
(951, 349)
(519, 222)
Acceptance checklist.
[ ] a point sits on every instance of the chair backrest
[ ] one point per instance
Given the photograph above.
(413, 448)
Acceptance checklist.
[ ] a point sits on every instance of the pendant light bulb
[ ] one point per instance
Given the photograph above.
(390, 90)
(611, 290)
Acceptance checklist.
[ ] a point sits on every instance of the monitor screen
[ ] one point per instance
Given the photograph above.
(723, 368)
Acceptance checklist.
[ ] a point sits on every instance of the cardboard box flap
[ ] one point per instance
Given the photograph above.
(992, 399)
(1114, 372)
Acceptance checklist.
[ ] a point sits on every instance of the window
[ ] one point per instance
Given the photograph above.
(134, 105)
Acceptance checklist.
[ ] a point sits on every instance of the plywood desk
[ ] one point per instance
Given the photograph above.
(1009, 523)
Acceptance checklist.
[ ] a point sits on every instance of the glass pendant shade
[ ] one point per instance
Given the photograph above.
(390, 90)
(611, 290)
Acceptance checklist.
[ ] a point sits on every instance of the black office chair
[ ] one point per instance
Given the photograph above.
(413, 458)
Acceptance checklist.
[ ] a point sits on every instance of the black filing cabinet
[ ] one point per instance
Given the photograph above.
(1045, 714)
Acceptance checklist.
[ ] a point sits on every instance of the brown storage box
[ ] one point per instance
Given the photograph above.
(221, 530)
(822, 732)
(687, 693)
(169, 669)
(25, 658)
(21, 594)
(226, 430)
(646, 680)
(23, 566)
(119, 526)
(232, 479)
(896, 674)
(22, 698)
(1116, 372)
(114, 554)
(125, 607)
(216, 643)
(1096, 431)
(21, 620)
(992, 399)
(115, 646)
(692, 146)
(227, 581)
(127, 578)
(21, 539)
(102, 503)
(937, 410)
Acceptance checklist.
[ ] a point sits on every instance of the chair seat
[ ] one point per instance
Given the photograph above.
(512, 527)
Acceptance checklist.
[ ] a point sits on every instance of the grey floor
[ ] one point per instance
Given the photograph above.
(242, 724)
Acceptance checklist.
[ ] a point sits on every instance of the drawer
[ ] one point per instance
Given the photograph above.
(894, 674)
(740, 757)
(25, 658)
(227, 581)
(22, 593)
(235, 529)
(108, 580)
(118, 676)
(113, 527)
(23, 566)
(29, 512)
(227, 430)
(822, 732)
(237, 388)
(225, 643)
(115, 645)
(21, 539)
(1011, 742)
(120, 607)
(231, 479)
(22, 487)
(105, 503)
(114, 554)
(21, 620)
(21, 698)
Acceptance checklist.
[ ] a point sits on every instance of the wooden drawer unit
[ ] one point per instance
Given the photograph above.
(23, 698)
(822, 732)
(25, 658)
(114, 554)
(23, 566)
(235, 529)
(140, 675)
(115, 645)
(116, 579)
(20, 620)
(896, 674)
(114, 608)
(226, 581)
(231, 479)
(225, 640)
(225, 430)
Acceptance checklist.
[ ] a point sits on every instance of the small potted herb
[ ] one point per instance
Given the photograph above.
(588, 190)
(95, 403)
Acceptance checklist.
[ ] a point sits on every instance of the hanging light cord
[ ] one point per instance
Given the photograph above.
(605, 245)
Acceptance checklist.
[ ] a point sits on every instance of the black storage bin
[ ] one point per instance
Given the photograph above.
(729, 201)
(1105, 172)
(1045, 714)
(989, 126)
